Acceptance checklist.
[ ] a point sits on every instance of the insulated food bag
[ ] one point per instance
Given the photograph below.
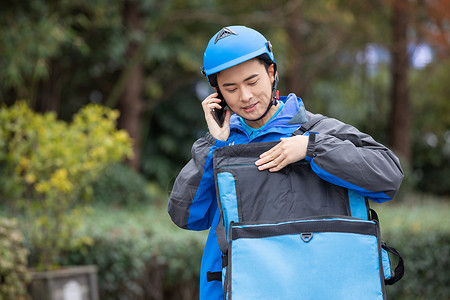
(291, 235)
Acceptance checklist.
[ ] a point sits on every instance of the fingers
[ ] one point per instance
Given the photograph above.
(279, 166)
(269, 152)
(268, 156)
(287, 151)
(275, 165)
(274, 160)
(219, 132)
(211, 102)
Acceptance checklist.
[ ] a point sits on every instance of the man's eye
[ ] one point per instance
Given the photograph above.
(253, 82)
(231, 91)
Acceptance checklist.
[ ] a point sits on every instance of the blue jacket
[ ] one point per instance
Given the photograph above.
(370, 169)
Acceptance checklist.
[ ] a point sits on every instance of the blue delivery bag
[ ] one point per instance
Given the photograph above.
(292, 235)
(323, 258)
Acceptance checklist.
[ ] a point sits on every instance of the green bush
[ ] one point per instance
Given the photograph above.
(120, 256)
(427, 265)
(14, 275)
(48, 167)
(141, 255)
(419, 228)
(119, 184)
(141, 260)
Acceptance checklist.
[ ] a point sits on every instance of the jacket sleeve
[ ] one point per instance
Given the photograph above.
(192, 202)
(341, 154)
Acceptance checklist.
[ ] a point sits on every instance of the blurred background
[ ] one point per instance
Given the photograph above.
(100, 105)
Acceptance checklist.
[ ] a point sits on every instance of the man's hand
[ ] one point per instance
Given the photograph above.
(289, 150)
(220, 133)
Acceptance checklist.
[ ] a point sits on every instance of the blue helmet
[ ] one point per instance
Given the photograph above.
(234, 45)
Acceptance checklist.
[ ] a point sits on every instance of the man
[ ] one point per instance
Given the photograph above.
(240, 65)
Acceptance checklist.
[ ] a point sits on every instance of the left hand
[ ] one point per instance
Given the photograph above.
(289, 150)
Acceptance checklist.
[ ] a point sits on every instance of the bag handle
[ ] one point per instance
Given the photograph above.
(399, 269)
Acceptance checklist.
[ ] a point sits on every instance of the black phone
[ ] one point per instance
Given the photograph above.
(219, 114)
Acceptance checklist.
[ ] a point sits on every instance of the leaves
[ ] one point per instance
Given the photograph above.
(51, 165)
(13, 261)
(72, 50)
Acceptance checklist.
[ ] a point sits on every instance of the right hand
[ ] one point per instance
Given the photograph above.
(220, 133)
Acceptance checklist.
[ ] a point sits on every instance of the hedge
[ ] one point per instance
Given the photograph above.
(14, 275)
(419, 228)
(141, 255)
(427, 266)
(119, 184)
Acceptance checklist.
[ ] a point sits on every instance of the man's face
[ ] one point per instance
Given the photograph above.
(247, 89)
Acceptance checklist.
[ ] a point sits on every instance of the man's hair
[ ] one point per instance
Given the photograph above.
(264, 59)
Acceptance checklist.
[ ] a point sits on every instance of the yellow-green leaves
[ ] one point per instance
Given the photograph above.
(13, 261)
(49, 166)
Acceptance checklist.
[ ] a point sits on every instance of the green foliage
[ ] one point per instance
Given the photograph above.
(175, 125)
(120, 256)
(427, 265)
(37, 39)
(36, 35)
(432, 163)
(358, 98)
(118, 184)
(140, 254)
(419, 228)
(80, 47)
(49, 167)
(431, 128)
(14, 275)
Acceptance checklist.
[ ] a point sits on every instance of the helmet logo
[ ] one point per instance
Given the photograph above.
(224, 33)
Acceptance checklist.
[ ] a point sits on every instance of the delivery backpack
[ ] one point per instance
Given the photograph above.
(291, 235)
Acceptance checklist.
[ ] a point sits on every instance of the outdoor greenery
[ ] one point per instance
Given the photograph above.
(335, 54)
(13, 261)
(48, 168)
(141, 254)
(120, 185)
(157, 256)
(420, 230)
(100, 105)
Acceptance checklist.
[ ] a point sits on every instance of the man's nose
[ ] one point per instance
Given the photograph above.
(246, 94)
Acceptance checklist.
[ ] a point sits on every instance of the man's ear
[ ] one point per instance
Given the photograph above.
(272, 73)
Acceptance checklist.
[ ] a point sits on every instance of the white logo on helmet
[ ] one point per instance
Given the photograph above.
(224, 33)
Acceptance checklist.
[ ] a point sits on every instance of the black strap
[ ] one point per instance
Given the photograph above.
(222, 236)
(373, 215)
(351, 137)
(212, 276)
(308, 125)
(399, 269)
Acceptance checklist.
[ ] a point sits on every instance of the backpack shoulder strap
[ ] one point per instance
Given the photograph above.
(308, 125)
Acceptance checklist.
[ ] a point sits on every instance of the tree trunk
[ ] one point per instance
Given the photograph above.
(131, 103)
(51, 98)
(294, 72)
(400, 119)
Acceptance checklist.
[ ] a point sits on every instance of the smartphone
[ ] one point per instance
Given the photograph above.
(219, 114)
